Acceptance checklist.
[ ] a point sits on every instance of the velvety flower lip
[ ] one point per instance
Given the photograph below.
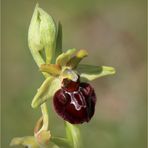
(75, 106)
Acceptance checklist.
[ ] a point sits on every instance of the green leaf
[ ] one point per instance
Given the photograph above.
(90, 72)
(73, 135)
(28, 141)
(63, 58)
(46, 91)
(61, 142)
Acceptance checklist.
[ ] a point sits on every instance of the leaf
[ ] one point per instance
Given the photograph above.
(46, 91)
(63, 58)
(90, 72)
(73, 134)
(28, 141)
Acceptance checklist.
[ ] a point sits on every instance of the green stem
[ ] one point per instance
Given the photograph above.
(45, 116)
(39, 61)
(73, 135)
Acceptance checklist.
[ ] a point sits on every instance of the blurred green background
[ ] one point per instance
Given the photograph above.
(114, 33)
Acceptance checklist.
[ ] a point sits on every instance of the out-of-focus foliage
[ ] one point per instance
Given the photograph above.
(114, 33)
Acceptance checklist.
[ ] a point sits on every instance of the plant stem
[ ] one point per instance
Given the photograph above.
(39, 61)
(45, 116)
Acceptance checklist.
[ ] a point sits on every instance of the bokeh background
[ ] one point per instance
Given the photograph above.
(114, 33)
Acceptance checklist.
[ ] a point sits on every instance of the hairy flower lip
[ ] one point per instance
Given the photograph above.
(75, 104)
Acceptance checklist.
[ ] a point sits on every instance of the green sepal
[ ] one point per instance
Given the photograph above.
(42, 33)
(52, 69)
(46, 91)
(63, 58)
(73, 135)
(28, 141)
(61, 142)
(90, 72)
(34, 39)
(74, 61)
(47, 34)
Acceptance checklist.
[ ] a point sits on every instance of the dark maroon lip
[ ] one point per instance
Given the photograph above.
(75, 104)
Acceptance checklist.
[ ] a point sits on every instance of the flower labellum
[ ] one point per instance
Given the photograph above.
(75, 101)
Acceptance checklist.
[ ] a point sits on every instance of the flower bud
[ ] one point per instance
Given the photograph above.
(42, 33)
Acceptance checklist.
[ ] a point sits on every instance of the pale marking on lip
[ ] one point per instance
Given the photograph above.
(75, 102)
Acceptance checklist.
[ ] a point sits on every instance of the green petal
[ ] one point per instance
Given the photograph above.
(63, 58)
(74, 61)
(46, 91)
(73, 135)
(52, 69)
(28, 141)
(90, 72)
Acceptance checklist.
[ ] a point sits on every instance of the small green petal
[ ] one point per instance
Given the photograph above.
(74, 61)
(28, 141)
(52, 69)
(63, 58)
(90, 72)
(46, 91)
